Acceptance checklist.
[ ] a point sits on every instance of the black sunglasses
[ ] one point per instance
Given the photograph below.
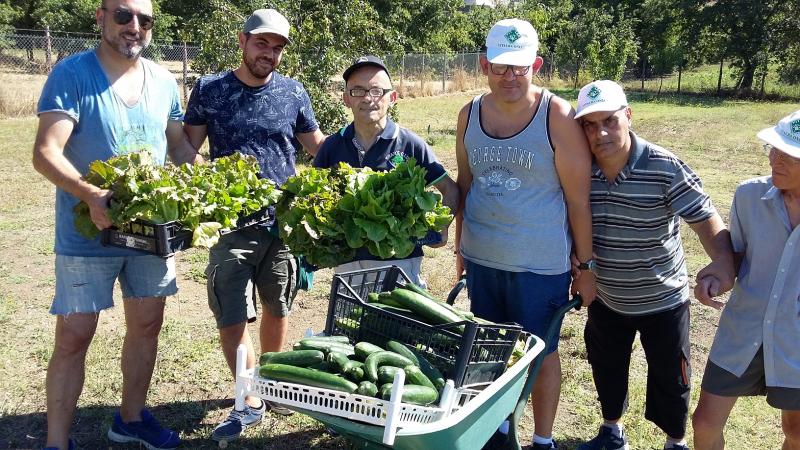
(123, 17)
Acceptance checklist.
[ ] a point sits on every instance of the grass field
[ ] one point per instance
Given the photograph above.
(191, 388)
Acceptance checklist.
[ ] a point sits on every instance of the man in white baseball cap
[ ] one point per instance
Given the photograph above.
(639, 194)
(755, 351)
(523, 166)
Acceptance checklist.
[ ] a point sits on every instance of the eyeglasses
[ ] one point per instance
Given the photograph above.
(501, 69)
(123, 17)
(773, 152)
(375, 92)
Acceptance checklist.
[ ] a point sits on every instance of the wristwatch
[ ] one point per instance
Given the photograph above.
(588, 265)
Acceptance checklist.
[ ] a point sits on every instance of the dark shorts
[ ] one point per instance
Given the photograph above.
(719, 381)
(244, 261)
(526, 298)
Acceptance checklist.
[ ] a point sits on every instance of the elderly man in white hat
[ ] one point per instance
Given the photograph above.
(523, 172)
(639, 194)
(756, 351)
(257, 111)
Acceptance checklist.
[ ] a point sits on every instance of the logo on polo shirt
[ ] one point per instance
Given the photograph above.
(593, 92)
(796, 126)
(513, 35)
(397, 158)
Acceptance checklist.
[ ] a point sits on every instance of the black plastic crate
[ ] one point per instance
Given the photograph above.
(478, 355)
(159, 239)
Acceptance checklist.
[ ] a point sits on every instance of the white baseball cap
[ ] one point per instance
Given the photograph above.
(267, 21)
(600, 95)
(785, 136)
(512, 41)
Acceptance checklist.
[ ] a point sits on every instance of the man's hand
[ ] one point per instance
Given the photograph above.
(98, 208)
(459, 265)
(585, 286)
(708, 287)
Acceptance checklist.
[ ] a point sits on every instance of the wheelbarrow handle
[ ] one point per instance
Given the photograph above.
(549, 335)
(460, 285)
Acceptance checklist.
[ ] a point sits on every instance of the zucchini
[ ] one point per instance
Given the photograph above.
(434, 312)
(367, 388)
(340, 339)
(324, 346)
(400, 348)
(415, 376)
(347, 324)
(364, 349)
(297, 358)
(372, 297)
(399, 311)
(386, 374)
(354, 370)
(430, 370)
(325, 366)
(413, 394)
(383, 358)
(386, 299)
(338, 358)
(309, 377)
(420, 290)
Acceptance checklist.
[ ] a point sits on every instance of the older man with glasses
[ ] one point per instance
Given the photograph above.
(755, 350)
(373, 140)
(523, 172)
(95, 105)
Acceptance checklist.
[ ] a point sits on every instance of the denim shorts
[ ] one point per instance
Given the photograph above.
(241, 261)
(526, 298)
(85, 284)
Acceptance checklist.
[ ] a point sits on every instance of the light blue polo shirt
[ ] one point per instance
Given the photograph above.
(764, 307)
(104, 127)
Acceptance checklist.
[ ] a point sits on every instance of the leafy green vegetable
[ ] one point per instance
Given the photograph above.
(204, 198)
(326, 214)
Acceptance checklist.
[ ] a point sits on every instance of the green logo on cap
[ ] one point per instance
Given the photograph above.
(513, 35)
(593, 92)
(795, 126)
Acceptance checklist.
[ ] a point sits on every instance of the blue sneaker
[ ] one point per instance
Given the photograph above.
(148, 432)
(72, 446)
(238, 421)
(606, 440)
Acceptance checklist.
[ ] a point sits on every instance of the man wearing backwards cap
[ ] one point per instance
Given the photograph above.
(639, 193)
(756, 351)
(256, 111)
(374, 140)
(523, 171)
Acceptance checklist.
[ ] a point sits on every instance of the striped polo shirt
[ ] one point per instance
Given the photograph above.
(641, 267)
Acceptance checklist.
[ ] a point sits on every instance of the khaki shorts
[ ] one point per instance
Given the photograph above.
(719, 381)
(244, 261)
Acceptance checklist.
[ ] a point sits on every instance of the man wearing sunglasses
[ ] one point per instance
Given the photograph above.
(256, 111)
(95, 105)
(523, 171)
(373, 140)
(755, 351)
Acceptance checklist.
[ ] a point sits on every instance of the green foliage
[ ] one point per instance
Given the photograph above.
(326, 214)
(204, 197)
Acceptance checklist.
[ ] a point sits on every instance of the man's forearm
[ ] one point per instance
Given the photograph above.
(580, 223)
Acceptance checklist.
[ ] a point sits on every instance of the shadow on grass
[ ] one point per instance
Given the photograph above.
(28, 431)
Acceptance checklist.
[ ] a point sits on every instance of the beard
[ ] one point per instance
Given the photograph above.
(259, 68)
(127, 48)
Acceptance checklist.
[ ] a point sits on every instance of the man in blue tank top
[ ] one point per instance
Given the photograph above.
(256, 111)
(373, 140)
(523, 172)
(95, 105)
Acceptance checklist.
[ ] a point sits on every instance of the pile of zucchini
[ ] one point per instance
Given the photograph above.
(364, 368)
(412, 301)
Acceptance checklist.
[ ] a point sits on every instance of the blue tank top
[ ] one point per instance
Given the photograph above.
(515, 216)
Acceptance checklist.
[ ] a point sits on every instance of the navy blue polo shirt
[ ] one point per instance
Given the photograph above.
(394, 145)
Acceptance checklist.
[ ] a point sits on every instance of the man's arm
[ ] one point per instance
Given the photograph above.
(196, 134)
(719, 275)
(463, 182)
(573, 164)
(449, 190)
(311, 141)
(54, 130)
(179, 149)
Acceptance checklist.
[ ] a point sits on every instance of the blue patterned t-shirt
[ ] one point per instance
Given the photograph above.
(260, 121)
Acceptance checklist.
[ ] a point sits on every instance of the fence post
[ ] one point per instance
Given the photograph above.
(402, 73)
(48, 50)
(444, 75)
(719, 79)
(185, 73)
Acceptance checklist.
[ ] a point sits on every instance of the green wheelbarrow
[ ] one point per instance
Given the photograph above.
(468, 427)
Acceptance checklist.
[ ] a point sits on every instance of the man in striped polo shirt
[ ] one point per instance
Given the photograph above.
(639, 193)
